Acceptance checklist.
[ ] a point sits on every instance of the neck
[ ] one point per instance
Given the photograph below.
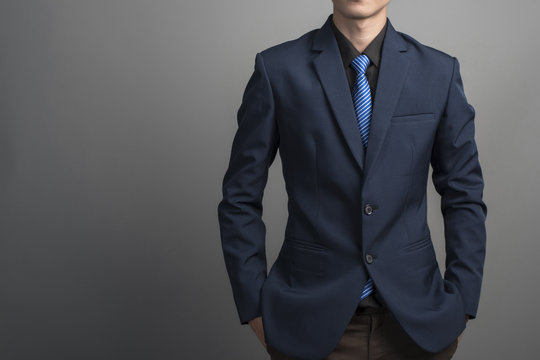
(360, 32)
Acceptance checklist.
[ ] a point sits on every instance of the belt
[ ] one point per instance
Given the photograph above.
(370, 304)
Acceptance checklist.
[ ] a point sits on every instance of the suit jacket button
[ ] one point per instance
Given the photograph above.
(369, 258)
(368, 209)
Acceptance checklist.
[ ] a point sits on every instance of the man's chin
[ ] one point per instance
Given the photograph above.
(360, 14)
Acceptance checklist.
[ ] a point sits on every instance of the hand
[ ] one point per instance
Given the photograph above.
(257, 326)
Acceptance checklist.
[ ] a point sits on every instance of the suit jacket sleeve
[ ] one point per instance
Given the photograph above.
(240, 211)
(457, 177)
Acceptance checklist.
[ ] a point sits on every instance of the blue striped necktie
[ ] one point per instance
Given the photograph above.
(362, 106)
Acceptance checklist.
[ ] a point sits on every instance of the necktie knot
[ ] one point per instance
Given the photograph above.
(360, 63)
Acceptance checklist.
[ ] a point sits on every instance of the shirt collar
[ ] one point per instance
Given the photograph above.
(349, 52)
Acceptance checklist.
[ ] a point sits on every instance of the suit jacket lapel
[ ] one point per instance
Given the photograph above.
(392, 74)
(329, 68)
(392, 71)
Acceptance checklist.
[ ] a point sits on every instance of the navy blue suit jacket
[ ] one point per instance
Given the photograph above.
(298, 101)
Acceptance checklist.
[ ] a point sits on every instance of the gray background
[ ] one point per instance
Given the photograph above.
(116, 120)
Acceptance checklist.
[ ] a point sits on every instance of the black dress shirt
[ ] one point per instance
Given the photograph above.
(349, 52)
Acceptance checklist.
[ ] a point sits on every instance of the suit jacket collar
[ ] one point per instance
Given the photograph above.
(329, 68)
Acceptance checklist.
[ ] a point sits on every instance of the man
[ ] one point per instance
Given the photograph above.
(358, 112)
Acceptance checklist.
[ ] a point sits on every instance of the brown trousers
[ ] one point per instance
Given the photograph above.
(374, 334)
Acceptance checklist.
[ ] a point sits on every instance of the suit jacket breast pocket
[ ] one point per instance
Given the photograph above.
(412, 118)
(409, 142)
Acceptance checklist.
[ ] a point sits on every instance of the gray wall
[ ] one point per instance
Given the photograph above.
(116, 120)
